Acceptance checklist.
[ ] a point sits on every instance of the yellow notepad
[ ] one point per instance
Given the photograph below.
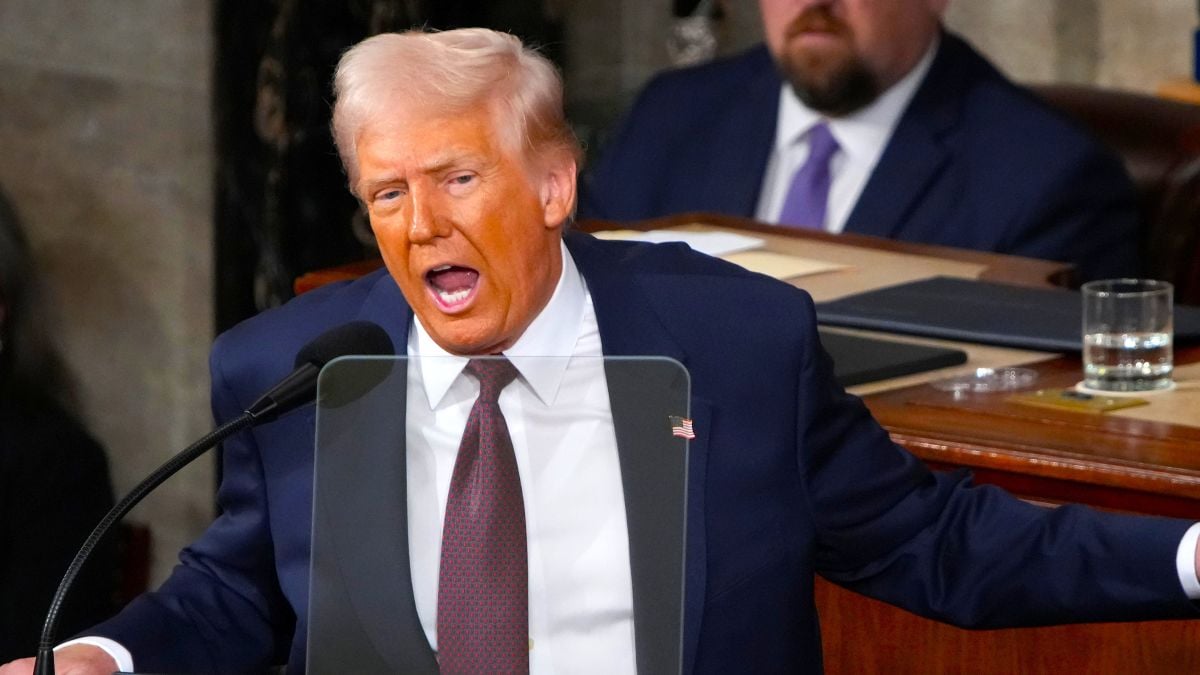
(779, 265)
(1070, 399)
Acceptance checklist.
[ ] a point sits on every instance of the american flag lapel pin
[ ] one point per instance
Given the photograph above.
(681, 427)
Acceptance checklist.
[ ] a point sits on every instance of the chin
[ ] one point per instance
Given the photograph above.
(835, 91)
(467, 343)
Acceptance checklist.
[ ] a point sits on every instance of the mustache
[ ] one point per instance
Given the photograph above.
(816, 19)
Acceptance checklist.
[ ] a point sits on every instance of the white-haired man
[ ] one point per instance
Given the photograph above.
(456, 145)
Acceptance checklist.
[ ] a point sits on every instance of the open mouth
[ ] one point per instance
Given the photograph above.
(452, 286)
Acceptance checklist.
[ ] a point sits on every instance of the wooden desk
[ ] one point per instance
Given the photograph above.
(991, 266)
(1047, 455)
(1044, 456)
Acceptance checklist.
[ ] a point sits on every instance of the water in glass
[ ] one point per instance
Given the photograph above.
(1127, 361)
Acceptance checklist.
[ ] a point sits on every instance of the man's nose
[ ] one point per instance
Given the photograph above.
(426, 222)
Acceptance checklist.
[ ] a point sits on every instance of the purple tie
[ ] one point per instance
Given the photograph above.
(483, 584)
(809, 194)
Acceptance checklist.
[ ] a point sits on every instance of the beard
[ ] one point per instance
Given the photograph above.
(837, 91)
(832, 82)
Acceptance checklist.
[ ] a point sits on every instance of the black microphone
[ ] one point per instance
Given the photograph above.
(298, 388)
(357, 337)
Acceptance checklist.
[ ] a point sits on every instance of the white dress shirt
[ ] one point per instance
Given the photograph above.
(861, 138)
(558, 414)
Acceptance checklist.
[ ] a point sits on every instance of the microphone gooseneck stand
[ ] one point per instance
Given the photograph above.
(298, 388)
(44, 664)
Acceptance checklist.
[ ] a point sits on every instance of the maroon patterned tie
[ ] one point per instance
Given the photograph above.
(483, 585)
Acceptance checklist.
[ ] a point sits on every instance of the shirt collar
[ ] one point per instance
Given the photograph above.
(553, 333)
(861, 133)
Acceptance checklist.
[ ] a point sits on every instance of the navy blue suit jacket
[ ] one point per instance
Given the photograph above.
(975, 162)
(788, 477)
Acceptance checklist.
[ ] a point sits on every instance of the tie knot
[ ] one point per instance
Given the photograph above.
(494, 374)
(821, 143)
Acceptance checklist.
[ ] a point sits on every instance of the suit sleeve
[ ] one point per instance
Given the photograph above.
(221, 610)
(938, 546)
(1086, 213)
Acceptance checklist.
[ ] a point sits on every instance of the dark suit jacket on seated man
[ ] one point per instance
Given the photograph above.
(936, 145)
(788, 476)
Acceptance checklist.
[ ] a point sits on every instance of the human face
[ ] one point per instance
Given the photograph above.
(468, 227)
(839, 55)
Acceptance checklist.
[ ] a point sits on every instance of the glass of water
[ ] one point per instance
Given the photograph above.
(1127, 331)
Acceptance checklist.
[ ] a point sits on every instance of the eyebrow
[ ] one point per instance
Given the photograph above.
(440, 162)
(446, 159)
(369, 187)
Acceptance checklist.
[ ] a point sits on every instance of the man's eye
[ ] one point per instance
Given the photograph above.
(388, 195)
(463, 179)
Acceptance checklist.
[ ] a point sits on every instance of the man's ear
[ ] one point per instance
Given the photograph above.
(558, 191)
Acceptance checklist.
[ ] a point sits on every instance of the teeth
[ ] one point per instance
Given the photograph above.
(440, 268)
(455, 297)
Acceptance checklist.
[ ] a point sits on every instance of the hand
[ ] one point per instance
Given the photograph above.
(73, 660)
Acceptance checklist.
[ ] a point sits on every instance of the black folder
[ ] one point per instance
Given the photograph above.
(857, 359)
(1046, 319)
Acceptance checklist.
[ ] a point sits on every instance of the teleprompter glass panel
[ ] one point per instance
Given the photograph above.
(380, 490)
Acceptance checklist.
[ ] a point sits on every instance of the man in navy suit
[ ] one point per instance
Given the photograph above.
(934, 145)
(456, 145)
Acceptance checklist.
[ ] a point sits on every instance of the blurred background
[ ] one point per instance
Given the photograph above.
(171, 161)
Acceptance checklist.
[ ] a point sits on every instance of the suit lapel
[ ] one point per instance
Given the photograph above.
(740, 142)
(362, 504)
(360, 539)
(662, 476)
(916, 154)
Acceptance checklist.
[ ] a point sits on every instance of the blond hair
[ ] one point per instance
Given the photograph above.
(451, 72)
